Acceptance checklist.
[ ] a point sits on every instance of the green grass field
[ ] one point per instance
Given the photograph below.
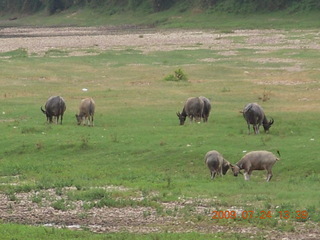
(177, 17)
(137, 142)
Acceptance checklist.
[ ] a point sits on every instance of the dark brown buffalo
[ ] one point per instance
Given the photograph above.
(193, 108)
(55, 107)
(254, 115)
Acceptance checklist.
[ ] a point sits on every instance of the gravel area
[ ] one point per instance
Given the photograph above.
(39, 40)
(37, 208)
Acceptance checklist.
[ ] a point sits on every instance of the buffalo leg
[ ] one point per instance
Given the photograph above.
(249, 128)
(269, 176)
(246, 176)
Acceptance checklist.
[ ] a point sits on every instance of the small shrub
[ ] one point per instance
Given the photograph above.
(169, 181)
(39, 145)
(36, 198)
(225, 89)
(265, 96)
(59, 191)
(178, 75)
(60, 205)
(146, 214)
(12, 197)
(84, 142)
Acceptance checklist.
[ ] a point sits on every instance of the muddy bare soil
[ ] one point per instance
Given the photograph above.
(37, 208)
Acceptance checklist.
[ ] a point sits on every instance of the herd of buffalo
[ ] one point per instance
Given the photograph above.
(199, 108)
(194, 108)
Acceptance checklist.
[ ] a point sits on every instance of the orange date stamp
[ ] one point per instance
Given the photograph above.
(260, 214)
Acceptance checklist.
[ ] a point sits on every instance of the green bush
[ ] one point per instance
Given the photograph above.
(178, 75)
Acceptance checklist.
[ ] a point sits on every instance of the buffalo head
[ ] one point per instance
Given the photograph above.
(181, 117)
(236, 170)
(267, 125)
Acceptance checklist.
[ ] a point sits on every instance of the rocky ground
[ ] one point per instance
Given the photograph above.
(40, 40)
(38, 208)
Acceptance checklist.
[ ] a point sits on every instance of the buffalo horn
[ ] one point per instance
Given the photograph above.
(271, 121)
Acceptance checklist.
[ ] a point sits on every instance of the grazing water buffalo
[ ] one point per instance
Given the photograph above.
(86, 112)
(216, 163)
(206, 108)
(256, 160)
(254, 114)
(55, 107)
(193, 108)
